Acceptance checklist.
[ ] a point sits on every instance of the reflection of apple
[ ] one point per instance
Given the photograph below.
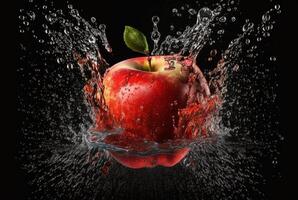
(145, 102)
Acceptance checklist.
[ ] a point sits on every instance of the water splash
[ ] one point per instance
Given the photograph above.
(155, 34)
(223, 164)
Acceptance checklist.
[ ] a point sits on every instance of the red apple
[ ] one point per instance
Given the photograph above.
(145, 101)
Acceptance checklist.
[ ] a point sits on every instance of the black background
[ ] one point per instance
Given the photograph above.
(117, 14)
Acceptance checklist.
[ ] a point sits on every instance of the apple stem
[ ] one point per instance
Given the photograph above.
(149, 61)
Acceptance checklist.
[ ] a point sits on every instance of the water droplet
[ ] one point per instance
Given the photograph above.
(92, 39)
(155, 19)
(155, 35)
(221, 31)
(182, 7)
(172, 27)
(60, 12)
(213, 52)
(247, 41)
(138, 120)
(259, 39)
(41, 41)
(178, 32)
(44, 7)
(102, 27)
(69, 66)
(66, 32)
(266, 17)
(93, 19)
(233, 19)
(31, 15)
(70, 6)
(232, 2)
(222, 19)
(21, 31)
(74, 12)
(236, 67)
(174, 10)
(192, 11)
(204, 15)
(273, 58)
(21, 17)
(277, 7)
(26, 23)
(59, 60)
(48, 18)
(247, 26)
(268, 28)
(274, 162)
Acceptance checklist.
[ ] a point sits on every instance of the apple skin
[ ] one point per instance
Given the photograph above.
(162, 159)
(145, 104)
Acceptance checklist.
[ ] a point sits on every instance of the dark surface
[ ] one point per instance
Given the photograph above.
(138, 14)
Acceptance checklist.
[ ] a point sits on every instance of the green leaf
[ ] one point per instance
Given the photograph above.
(135, 40)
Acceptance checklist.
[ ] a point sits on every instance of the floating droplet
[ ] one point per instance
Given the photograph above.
(59, 60)
(213, 52)
(273, 58)
(44, 7)
(93, 19)
(274, 162)
(102, 27)
(236, 67)
(31, 15)
(247, 41)
(92, 39)
(155, 19)
(155, 35)
(277, 7)
(222, 19)
(21, 17)
(221, 31)
(266, 17)
(69, 66)
(66, 32)
(233, 19)
(192, 11)
(204, 15)
(60, 12)
(174, 10)
(26, 23)
(172, 27)
(247, 26)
